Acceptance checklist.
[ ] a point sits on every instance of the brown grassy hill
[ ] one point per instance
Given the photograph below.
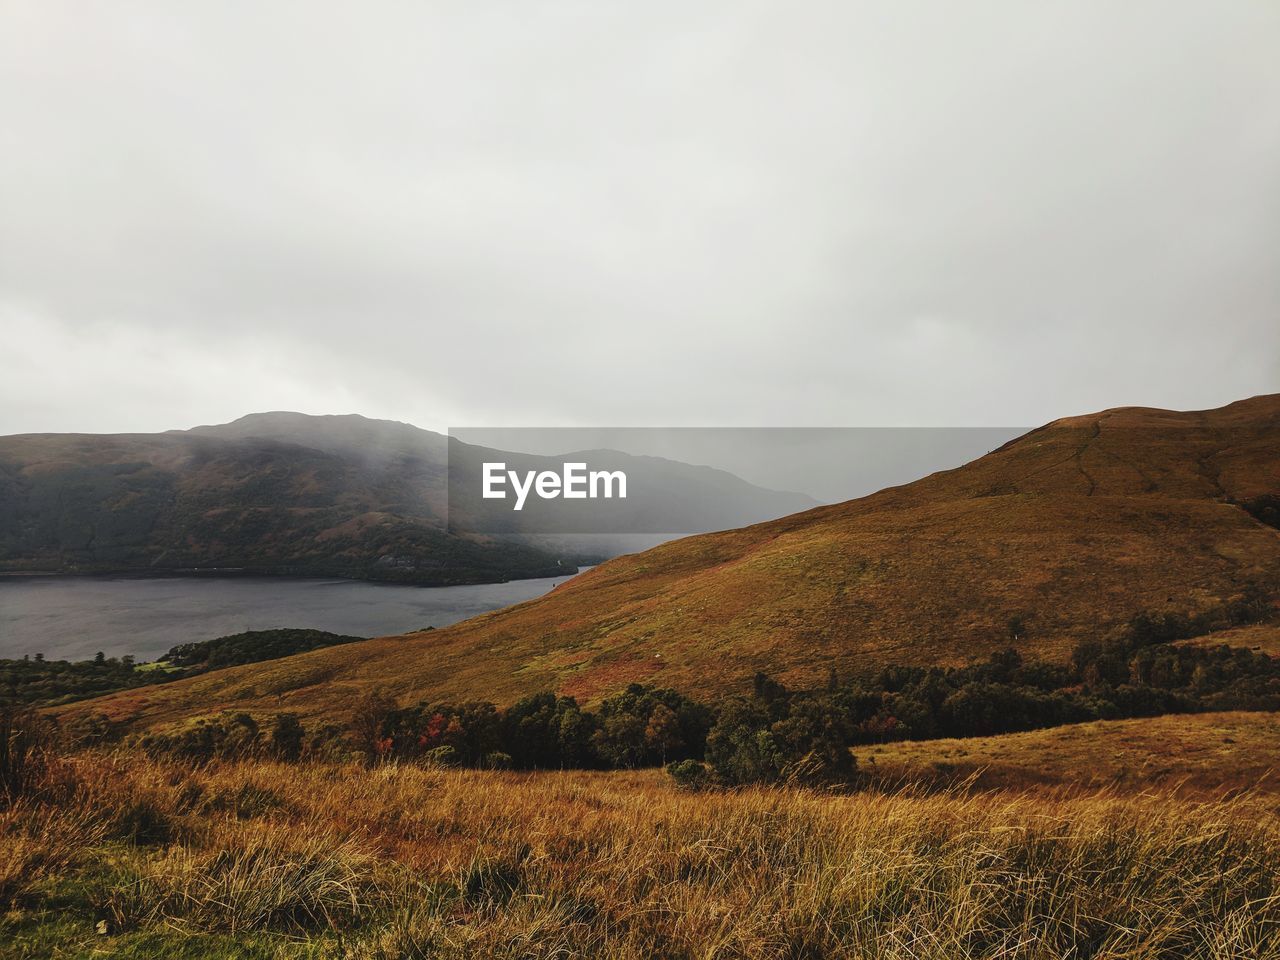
(1074, 528)
(1261, 637)
(1211, 752)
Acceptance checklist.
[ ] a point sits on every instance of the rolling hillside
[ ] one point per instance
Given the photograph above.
(1071, 529)
(285, 493)
(1207, 752)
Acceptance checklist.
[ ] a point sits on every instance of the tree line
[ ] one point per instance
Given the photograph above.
(36, 681)
(771, 733)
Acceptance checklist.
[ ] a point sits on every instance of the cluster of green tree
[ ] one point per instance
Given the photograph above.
(641, 726)
(35, 681)
(1006, 694)
(231, 737)
(253, 646)
(775, 735)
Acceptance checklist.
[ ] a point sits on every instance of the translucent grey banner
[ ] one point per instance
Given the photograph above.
(667, 481)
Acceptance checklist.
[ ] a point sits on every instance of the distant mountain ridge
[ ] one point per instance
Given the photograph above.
(286, 493)
(350, 433)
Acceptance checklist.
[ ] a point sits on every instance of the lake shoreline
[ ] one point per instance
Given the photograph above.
(246, 573)
(74, 616)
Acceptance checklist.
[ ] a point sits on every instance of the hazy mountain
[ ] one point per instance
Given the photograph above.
(286, 493)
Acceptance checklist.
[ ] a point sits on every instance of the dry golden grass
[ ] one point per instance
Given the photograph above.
(1262, 637)
(37, 841)
(1209, 753)
(1076, 528)
(401, 861)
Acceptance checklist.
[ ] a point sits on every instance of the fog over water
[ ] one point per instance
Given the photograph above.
(73, 618)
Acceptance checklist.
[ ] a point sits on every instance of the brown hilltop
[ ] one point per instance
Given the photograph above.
(1075, 527)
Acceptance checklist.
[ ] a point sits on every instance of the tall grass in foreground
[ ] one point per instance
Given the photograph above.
(404, 862)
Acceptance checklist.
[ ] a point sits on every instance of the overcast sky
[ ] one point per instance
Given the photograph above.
(647, 213)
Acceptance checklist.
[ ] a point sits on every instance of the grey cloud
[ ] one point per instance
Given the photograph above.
(571, 213)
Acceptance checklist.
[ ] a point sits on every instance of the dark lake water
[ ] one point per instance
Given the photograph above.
(71, 618)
